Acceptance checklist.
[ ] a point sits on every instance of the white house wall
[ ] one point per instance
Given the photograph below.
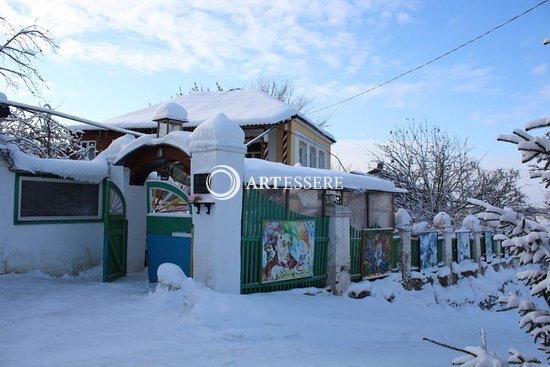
(60, 248)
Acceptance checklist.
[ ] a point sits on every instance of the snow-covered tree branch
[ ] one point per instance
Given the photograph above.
(535, 150)
(40, 135)
(19, 48)
(527, 239)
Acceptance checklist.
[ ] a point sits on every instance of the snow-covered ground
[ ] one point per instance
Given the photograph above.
(79, 321)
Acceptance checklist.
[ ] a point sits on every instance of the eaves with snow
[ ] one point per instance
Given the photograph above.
(98, 169)
(247, 107)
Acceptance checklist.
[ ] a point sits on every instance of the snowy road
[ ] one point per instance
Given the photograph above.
(77, 322)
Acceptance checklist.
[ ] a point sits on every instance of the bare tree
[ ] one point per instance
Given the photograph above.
(440, 173)
(284, 91)
(37, 134)
(499, 187)
(19, 48)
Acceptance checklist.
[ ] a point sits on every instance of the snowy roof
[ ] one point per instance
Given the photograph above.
(255, 168)
(247, 107)
(177, 139)
(85, 171)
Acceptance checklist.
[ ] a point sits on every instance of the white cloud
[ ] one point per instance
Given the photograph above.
(212, 35)
(403, 18)
(540, 69)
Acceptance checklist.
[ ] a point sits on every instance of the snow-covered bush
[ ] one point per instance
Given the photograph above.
(40, 135)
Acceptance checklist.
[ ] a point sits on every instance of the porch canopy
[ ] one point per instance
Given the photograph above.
(148, 153)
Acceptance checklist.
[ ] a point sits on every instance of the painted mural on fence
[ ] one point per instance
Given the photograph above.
(428, 250)
(488, 244)
(463, 245)
(288, 248)
(377, 252)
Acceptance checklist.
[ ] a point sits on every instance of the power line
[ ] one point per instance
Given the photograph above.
(432, 60)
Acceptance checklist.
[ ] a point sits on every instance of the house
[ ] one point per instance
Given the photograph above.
(67, 216)
(292, 137)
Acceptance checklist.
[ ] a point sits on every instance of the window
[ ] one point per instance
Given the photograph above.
(254, 150)
(89, 147)
(303, 153)
(322, 160)
(46, 199)
(312, 156)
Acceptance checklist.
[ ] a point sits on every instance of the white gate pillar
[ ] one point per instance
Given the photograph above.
(216, 142)
(339, 270)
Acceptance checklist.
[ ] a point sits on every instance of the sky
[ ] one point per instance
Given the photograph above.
(116, 57)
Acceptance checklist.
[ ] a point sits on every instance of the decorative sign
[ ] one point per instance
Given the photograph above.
(488, 244)
(377, 252)
(463, 245)
(288, 248)
(199, 183)
(428, 250)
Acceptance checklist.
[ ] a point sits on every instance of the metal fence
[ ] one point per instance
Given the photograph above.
(258, 208)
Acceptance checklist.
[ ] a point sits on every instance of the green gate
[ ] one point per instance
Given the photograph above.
(115, 232)
(256, 209)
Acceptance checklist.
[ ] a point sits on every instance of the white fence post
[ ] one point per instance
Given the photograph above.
(339, 269)
(477, 247)
(405, 251)
(447, 246)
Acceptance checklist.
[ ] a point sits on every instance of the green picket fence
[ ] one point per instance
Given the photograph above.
(257, 208)
(455, 249)
(415, 253)
(395, 253)
(355, 254)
